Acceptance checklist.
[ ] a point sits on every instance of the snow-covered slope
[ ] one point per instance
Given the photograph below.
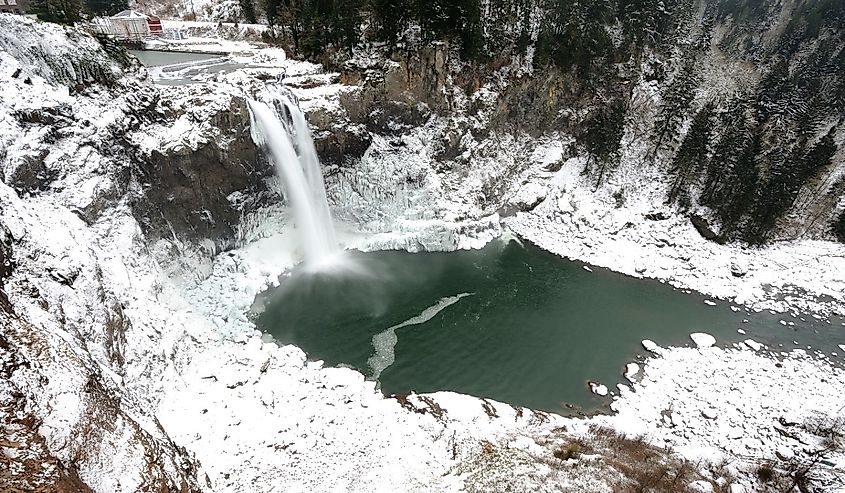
(127, 361)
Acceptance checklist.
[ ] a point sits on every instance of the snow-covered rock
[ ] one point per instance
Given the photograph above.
(702, 340)
(701, 486)
(598, 389)
(148, 376)
(738, 269)
(751, 343)
(650, 346)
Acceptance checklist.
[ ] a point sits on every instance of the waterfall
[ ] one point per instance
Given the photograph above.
(299, 173)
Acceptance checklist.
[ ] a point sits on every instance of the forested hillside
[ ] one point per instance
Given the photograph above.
(752, 156)
(764, 155)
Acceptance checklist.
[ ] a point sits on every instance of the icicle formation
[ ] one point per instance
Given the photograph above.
(300, 175)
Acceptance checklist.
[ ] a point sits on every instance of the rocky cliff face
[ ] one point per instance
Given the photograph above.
(106, 366)
(778, 64)
(201, 191)
(77, 184)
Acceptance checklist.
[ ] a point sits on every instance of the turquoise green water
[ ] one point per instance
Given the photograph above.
(514, 324)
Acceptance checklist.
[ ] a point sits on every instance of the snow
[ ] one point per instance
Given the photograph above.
(598, 389)
(631, 371)
(702, 340)
(738, 392)
(751, 343)
(257, 416)
(130, 14)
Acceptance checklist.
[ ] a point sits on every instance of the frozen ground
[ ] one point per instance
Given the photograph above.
(575, 222)
(131, 363)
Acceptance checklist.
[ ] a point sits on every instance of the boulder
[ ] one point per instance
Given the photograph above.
(529, 196)
(701, 486)
(703, 227)
(702, 340)
(738, 269)
(597, 388)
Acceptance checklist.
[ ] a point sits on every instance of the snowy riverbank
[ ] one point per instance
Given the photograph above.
(141, 374)
(580, 224)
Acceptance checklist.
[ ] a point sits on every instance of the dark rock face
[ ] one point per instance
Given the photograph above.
(703, 227)
(657, 216)
(187, 192)
(7, 266)
(338, 146)
(401, 92)
(30, 173)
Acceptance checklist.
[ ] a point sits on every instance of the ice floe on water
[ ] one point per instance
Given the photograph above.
(385, 341)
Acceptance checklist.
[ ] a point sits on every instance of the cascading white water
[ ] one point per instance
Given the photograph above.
(300, 175)
(313, 173)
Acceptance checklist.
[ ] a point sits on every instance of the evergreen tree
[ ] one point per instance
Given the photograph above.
(472, 40)
(602, 138)
(837, 227)
(392, 18)
(676, 102)
(59, 11)
(735, 136)
(574, 33)
(691, 157)
(523, 40)
(458, 20)
(272, 11)
(643, 21)
(786, 177)
(105, 7)
(774, 91)
(778, 193)
(346, 23)
(740, 184)
(318, 30)
(819, 157)
(248, 11)
(289, 15)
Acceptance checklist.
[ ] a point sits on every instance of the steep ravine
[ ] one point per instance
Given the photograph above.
(128, 363)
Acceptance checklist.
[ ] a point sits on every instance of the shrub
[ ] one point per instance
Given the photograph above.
(766, 473)
(570, 451)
